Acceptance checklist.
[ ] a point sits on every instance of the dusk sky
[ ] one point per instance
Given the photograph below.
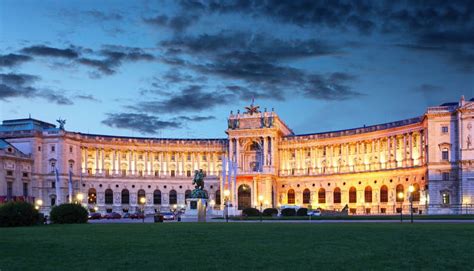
(177, 68)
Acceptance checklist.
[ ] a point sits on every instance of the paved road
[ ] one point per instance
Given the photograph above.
(151, 220)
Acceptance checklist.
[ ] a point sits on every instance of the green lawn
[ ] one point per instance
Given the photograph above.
(251, 246)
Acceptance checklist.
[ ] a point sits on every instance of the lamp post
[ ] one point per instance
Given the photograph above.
(79, 198)
(226, 204)
(38, 204)
(411, 189)
(260, 200)
(142, 202)
(400, 196)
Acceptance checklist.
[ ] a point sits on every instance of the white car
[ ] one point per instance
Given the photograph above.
(314, 213)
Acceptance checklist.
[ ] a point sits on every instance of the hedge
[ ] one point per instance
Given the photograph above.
(250, 212)
(288, 212)
(68, 213)
(270, 212)
(18, 213)
(302, 212)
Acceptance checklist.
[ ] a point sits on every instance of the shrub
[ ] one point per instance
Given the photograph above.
(68, 213)
(270, 212)
(14, 214)
(302, 212)
(251, 212)
(288, 212)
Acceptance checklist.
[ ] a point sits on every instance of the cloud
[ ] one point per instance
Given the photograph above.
(192, 98)
(16, 85)
(195, 118)
(102, 16)
(330, 87)
(88, 97)
(177, 23)
(142, 123)
(42, 50)
(11, 60)
(429, 88)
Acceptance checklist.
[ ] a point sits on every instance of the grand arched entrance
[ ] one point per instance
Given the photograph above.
(244, 195)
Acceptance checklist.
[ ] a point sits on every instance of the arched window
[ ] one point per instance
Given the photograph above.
(416, 192)
(337, 195)
(399, 190)
(187, 194)
(383, 193)
(445, 198)
(218, 197)
(352, 195)
(173, 197)
(125, 196)
(109, 196)
(291, 196)
(157, 197)
(306, 196)
(321, 195)
(368, 194)
(140, 194)
(92, 196)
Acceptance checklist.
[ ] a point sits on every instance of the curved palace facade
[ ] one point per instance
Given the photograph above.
(261, 162)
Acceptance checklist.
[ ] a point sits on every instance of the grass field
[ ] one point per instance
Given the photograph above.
(251, 246)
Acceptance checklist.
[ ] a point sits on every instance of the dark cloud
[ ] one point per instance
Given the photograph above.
(262, 45)
(142, 123)
(15, 85)
(177, 23)
(42, 50)
(195, 118)
(192, 98)
(11, 60)
(103, 16)
(88, 97)
(429, 89)
(330, 87)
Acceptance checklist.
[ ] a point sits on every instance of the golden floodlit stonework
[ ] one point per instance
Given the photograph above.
(261, 162)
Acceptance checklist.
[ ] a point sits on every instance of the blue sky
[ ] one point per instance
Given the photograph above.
(177, 68)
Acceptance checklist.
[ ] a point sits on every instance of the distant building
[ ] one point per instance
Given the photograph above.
(364, 168)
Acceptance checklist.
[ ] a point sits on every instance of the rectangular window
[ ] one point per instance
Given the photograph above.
(445, 155)
(53, 148)
(89, 171)
(157, 173)
(25, 189)
(445, 176)
(25, 174)
(70, 149)
(140, 173)
(444, 129)
(53, 184)
(124, 172)
(172, 173)
(9, 172)
(445, 198)
(188, 173)
(9, 190)
(188, 157)
(39, 148)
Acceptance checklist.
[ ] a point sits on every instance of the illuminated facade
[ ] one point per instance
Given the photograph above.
(364, 168)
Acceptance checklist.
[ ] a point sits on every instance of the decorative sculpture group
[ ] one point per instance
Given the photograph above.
(198, 181)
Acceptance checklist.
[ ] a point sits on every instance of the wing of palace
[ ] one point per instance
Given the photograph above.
(261, 161)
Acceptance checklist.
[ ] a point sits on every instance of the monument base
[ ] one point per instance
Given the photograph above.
(196, 208)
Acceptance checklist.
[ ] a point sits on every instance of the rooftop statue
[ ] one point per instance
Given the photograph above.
(198, 181)
(61, 122)
(251, 109)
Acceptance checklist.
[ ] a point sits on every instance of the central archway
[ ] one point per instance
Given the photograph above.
(244, 195)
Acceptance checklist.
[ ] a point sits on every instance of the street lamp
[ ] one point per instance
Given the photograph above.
(226, 204)
(411, 189)
(400, 196)
(142, 202)
(39, 202)
(79, 197)
(260, 199)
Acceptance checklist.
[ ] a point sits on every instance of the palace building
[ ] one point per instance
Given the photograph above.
(426, 160)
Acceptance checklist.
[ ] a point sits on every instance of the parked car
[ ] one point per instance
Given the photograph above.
(95, 216)
(168, 216)
(137, 216)
(113, 215)
(314, 213)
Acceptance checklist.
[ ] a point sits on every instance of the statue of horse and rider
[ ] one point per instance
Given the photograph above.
(198, 181)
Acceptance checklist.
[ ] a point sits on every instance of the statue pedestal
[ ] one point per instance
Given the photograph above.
(196, 208)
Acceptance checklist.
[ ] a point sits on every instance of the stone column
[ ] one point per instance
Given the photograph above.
(265, 150)
(84, 159)
(410, 158)
(96, 160)
(395, 143)
(114, 154)
(422, 154)
(237, 153)
(130, 162)
(102, 166)
(404, 162)
(119, 165)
